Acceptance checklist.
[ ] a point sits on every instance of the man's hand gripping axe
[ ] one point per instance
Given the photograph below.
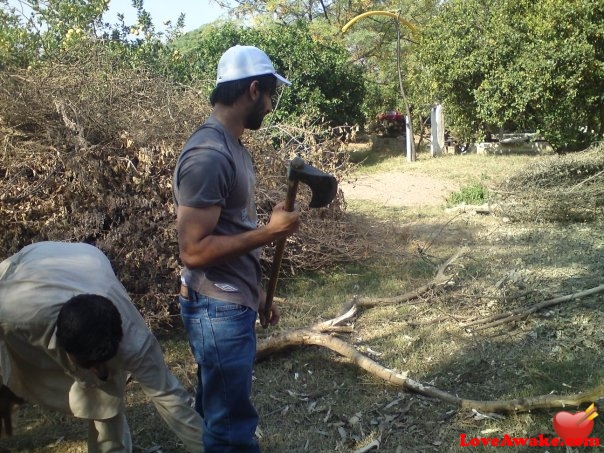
(324, 187)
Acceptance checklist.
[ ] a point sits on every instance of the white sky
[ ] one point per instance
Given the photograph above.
(197, 12)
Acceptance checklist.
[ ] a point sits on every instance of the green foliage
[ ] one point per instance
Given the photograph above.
(474, 193)
(15, 43)
(519, 65)
(46, 32)
(372, 44)
(326, 88)
(41, 30)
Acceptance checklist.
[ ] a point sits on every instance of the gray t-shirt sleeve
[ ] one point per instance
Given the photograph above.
(204, 179)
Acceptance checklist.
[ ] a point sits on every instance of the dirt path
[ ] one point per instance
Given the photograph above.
(399, 189)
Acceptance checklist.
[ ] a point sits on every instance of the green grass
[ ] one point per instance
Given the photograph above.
(462, 169)
(475, 193)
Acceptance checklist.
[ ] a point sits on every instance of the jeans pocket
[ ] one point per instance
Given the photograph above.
(191, 318)
(227, 310)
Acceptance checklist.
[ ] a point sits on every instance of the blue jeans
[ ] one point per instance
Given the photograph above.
(222, 337)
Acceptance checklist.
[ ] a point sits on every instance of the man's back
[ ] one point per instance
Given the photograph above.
(36, 281)
(34, 284)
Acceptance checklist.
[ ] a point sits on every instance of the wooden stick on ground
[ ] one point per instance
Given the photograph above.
(321, 335)
(308, 337)
(439, 279)
(519, 313)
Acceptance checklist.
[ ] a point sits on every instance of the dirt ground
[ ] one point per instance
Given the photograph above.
(398, 189)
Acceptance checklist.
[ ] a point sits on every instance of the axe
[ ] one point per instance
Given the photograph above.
(323, 186)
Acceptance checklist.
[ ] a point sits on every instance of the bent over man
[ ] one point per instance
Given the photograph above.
(70, 337)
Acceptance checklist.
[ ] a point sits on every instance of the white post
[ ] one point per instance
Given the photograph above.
(408, 137)
(437, 129)
(440, 133)
(433, 138)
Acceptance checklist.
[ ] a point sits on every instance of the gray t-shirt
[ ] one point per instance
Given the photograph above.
(215, 169)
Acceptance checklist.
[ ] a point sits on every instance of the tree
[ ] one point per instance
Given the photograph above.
(37, 30)
(519, 66)
(326, 87)
(284, 11)
(371, 43)
(34, 32)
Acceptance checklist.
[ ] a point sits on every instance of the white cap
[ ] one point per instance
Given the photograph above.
(241, 62)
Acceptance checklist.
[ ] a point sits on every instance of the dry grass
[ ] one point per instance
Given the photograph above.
(312, 400)
(509, 265)
(388, 154)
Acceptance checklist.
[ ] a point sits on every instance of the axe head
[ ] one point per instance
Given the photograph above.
(323, 185)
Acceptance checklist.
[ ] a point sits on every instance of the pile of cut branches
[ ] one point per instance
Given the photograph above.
(88, 151)
(559, 188)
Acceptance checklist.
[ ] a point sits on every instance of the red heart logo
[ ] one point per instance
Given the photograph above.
(566, 426)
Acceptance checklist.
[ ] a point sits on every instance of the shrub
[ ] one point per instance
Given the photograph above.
(567, 188)
(475, 193)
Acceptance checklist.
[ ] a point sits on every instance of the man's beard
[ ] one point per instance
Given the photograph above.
(256, 116)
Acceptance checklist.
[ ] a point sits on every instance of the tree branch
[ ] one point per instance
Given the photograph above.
(439, 280)
(306, 337)
(519, 313)
(318, 335)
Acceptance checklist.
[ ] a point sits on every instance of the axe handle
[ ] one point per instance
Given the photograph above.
(290, 200)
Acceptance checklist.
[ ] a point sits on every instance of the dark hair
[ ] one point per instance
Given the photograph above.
(228, 92)
(90, 328)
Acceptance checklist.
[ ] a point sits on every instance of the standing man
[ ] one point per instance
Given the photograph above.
(70, 337)
(220, 243)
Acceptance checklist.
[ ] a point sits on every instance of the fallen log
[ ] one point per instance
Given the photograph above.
(307, 337)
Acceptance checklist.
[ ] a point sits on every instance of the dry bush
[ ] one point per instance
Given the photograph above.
(327, 235)
(560, 188)
(87, 156)
(88, 151)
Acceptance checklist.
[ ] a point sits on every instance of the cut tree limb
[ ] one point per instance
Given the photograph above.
(485, 208)
(519, 313)
(308, 337)
(439, 280)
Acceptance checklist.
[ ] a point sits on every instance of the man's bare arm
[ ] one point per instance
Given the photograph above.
(199, 247)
